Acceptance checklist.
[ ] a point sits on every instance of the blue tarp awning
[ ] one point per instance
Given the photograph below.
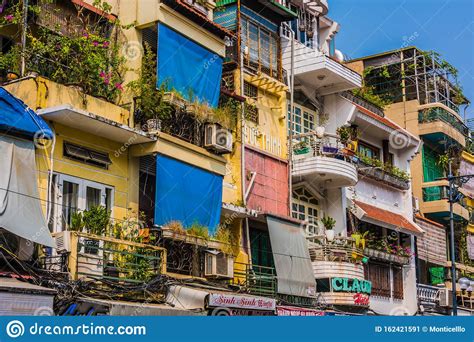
(187, 67)
(19, 120)
(187, 194)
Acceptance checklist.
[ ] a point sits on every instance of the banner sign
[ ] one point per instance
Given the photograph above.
(241, 302)
(294, 311)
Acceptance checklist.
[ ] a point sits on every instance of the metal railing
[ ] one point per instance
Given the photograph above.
(440, 114)
(363, 103)
(435, 193)
(108, 259)
(427, 293)
(328, 146)
(341, 249)
(256, 280)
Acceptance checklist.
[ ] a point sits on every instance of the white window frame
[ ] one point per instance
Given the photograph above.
(83, 184)
(312, 228)
(305, 124)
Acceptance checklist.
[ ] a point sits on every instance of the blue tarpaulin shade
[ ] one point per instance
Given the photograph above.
(188, 67)
(187, 194)
(19, 120)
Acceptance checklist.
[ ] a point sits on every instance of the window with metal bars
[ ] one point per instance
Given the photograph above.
(228, 81)
(397, 282)
(250, 90)
(251, 112)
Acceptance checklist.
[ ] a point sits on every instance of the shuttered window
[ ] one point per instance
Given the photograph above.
(379, 275)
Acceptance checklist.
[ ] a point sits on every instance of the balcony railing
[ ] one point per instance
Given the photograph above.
(385, 256)
(107, 259)
(428, 294)
(362, 102)
(256, 280)
(440, 114)
(435, 193)
(383, 176)
(341, 249)
(330, 146)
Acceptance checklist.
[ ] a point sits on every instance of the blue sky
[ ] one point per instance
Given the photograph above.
(445, 26)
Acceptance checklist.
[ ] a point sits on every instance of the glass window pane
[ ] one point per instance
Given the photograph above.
(70, 201)
(92, 197)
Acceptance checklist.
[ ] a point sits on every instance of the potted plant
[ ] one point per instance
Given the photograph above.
(95, 221)
(329, 223)
(301, 148)
(344, 134)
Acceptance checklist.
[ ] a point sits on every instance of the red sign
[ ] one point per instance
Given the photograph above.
(241, 302)
(361, 299)
(293, 311)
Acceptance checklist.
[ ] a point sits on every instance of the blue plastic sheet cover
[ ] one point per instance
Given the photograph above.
(187, 193)
(188, 67)
(19, 120)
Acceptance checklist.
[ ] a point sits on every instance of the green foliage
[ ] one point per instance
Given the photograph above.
(328, 222)
(224, 235)
(96, 220)
(199, 230)
(149, 99)
(10, 61)
(77, 223)
(368, 93)
(390, 169)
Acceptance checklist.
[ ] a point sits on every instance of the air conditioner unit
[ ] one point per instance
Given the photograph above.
(63, 241)
(445, 298)
(217, 138)
(218, 265)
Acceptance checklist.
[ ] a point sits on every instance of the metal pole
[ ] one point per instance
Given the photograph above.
(23, 37)
(453, 253)
(292, 109)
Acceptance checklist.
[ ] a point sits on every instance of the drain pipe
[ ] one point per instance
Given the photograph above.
(242, 133)
(290, 135)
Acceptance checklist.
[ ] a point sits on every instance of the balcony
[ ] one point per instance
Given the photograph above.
(316, 70)
(255, 280)
(428, 295)
(383, 176)
(435, 203)
(105, 259)
(437, 119)
(338, 261)
(386, 257)
(335, 259)
(323, 162)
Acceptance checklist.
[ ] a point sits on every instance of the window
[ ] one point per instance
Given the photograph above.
(369, 151)
(85, 155)
(263, 47)
(387, 280)
(303, 119)
(379, 275)
(261, 248)
(75, 194)
(250, 90)
(305, 207)
(397, 282)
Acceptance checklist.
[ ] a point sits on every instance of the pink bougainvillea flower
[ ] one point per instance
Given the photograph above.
(102, 74)
(9, 17)
(95, 43)
(119, 86)
(107, 80)
(106, 44)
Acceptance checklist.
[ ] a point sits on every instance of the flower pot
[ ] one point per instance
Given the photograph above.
(320, 132)
(330, 235)
(301, 151)
(12, 76)
(153, 126)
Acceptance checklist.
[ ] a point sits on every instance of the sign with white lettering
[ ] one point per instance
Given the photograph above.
(241, 302)
(351, 285)
(264, 141)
